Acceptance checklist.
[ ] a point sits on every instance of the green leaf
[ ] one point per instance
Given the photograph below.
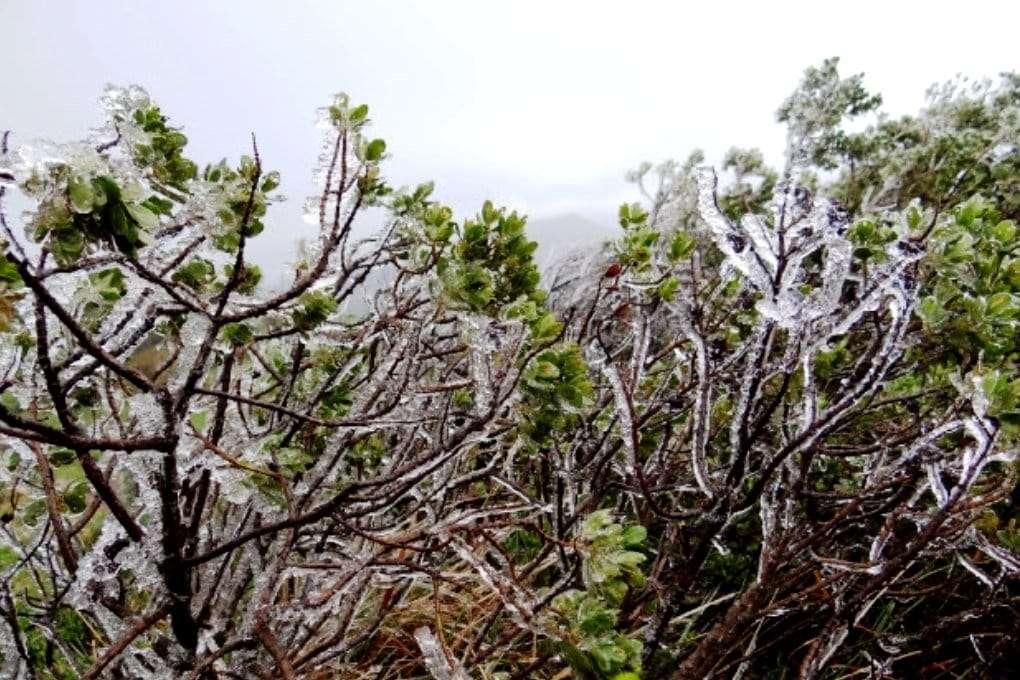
(271, 181)
(375, 150)
(81, 194)
(33, 511)
(144, 217)
(62, 457)
(489, 213)
(294, 460)
(931, 311)
(9, 273)
(158, 205)
(237, 334)
(315, 309)
(634, 536)
(628, 559)
(546, 327)
(359, 114)
(594, 618)
(108, 188)
(198, 420)
(196, 274)
(1004, 231)
(613, 592)
(668, 289)
(523, 544)
(76, 497)
(681, 246)
(577, 661)
(109, 284)
(9, 402)
(1001, 305)
(546, 370)
(608, 657)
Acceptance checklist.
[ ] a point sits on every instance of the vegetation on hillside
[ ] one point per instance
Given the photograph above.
(770, 431)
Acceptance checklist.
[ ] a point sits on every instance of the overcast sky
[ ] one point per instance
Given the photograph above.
(538, 105)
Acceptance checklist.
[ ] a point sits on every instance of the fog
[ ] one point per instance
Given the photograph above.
(541, 106)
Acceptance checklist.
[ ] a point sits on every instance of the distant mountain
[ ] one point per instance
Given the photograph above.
(561, 235)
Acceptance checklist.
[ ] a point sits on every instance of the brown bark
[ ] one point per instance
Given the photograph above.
(720, 640)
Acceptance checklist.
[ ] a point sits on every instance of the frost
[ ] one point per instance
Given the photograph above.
(518, 603)
(120, 103)
(339, 480)
(477, 338)
(436, 658)
(701, 407)
(937, 487)
(743, 256)
(192, 335)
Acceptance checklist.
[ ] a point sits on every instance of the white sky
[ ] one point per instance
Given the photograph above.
(538, 105)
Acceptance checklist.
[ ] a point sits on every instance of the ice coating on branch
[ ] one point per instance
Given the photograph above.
(120, 103)
(332, 477)
(623, 408)
(972, 568)
(702, 401)
(32, 162)
(96, 567)
(934, 470)
(729, 239)
(832, 644)
(147, 417)
(797, 227)
(479, 342)
(10, 642)
(1009, 563)
(10, 360)
(38, 165)
(317, 211)
(769, 523)
(192, 335)
(440, 666)
(518, 603)
(336, 163)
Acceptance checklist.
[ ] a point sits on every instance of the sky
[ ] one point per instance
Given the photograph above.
(540, 106)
